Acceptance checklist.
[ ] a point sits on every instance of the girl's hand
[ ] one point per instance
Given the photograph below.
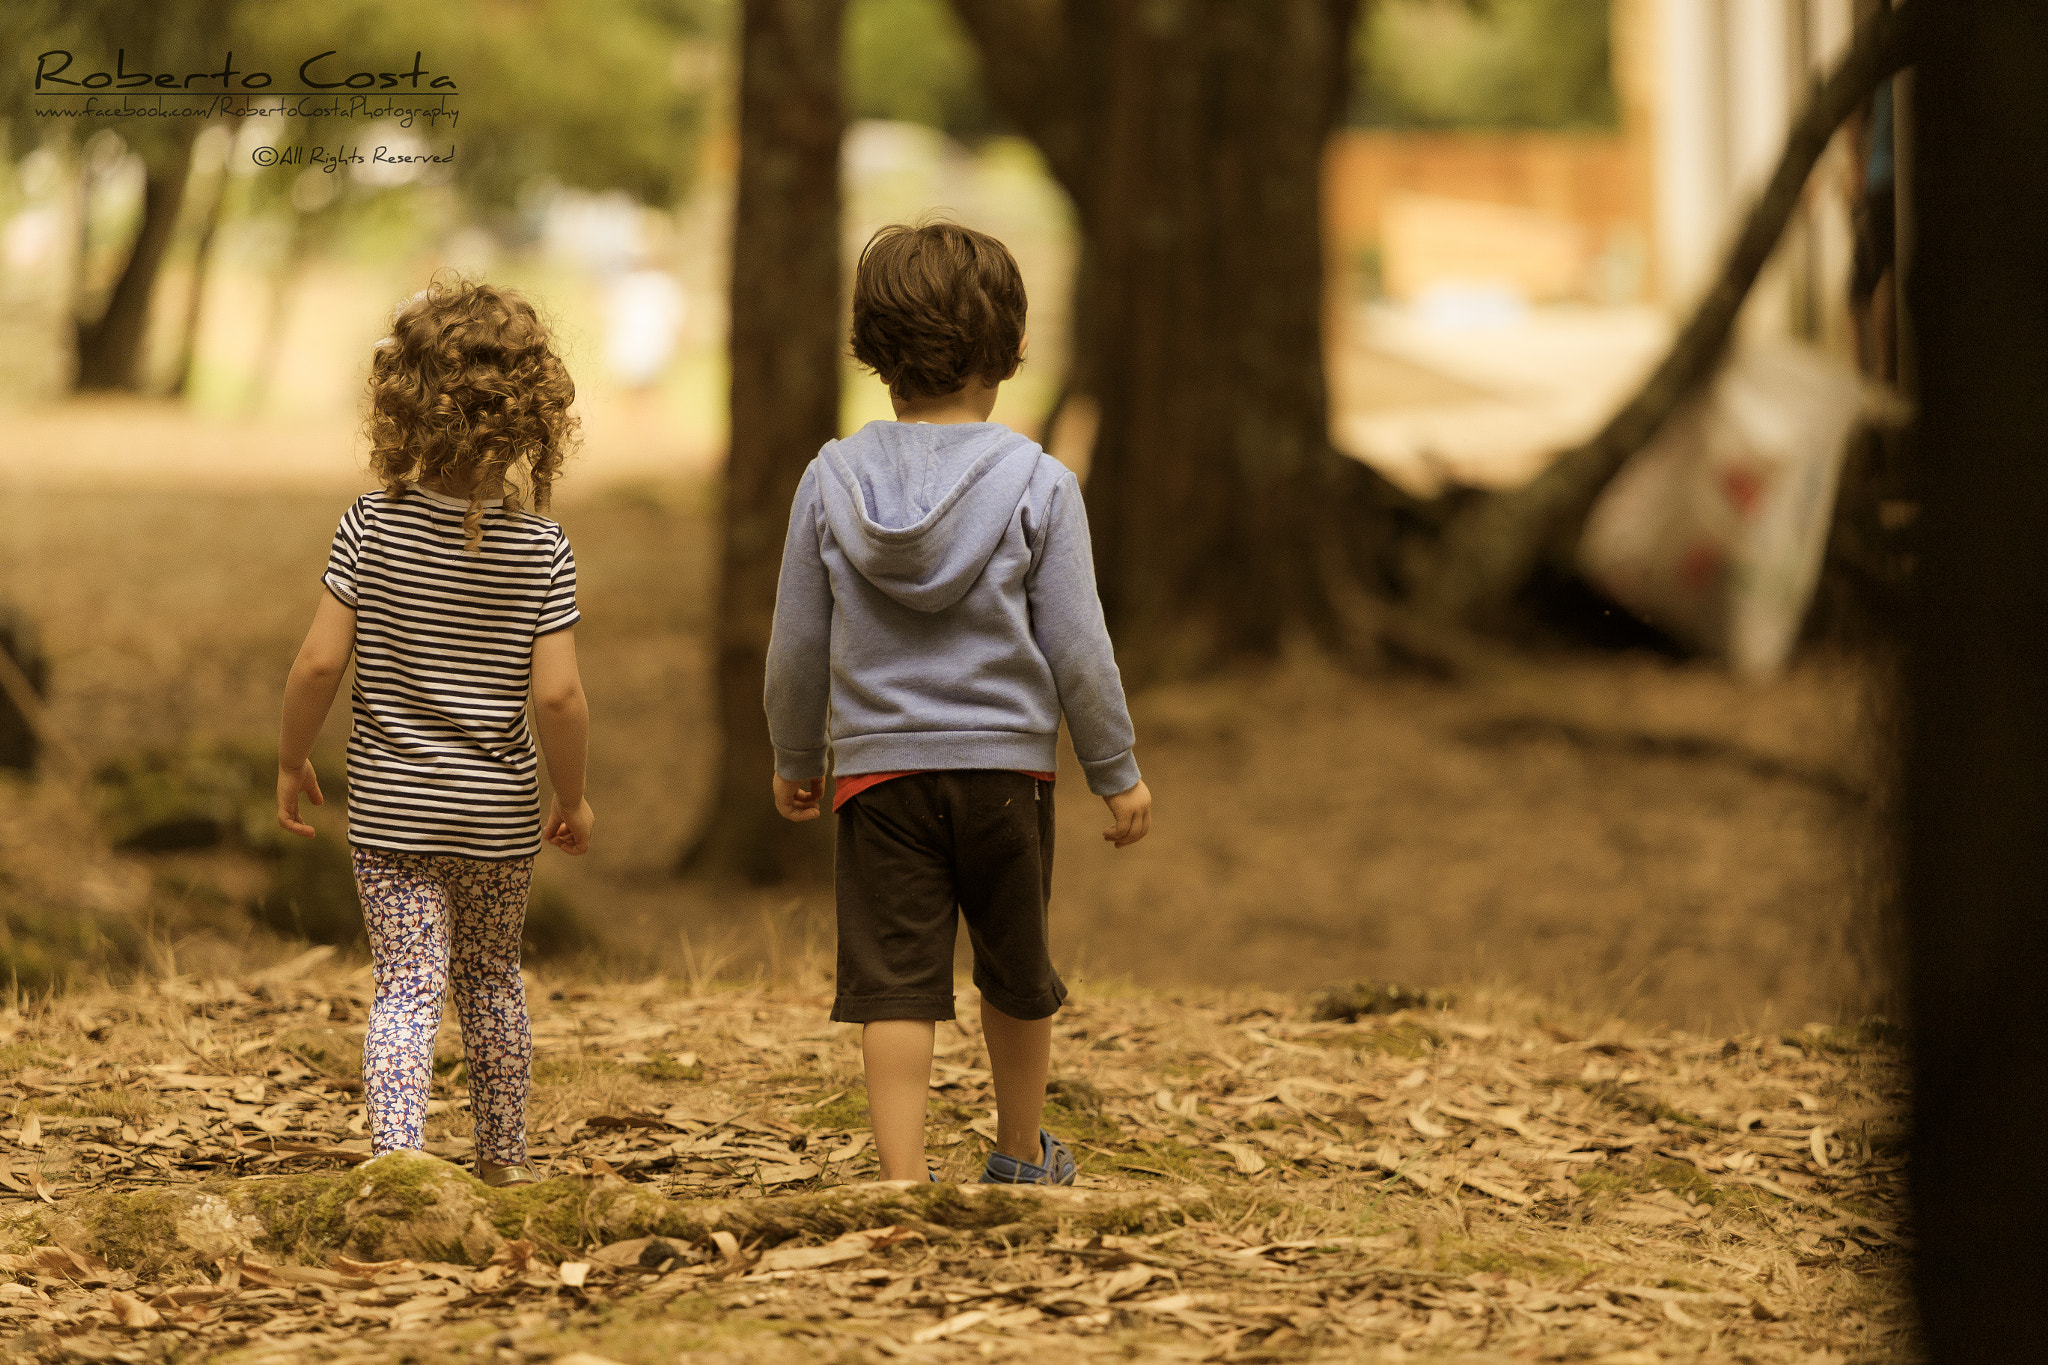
(798, 800)
(569, 830)
(1132, 811)
(290, 783)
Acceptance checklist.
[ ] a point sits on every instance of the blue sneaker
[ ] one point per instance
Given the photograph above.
(1055, 1165)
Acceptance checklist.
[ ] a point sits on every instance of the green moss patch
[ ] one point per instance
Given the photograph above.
(566, 1211)
(1177, 1159)
(1403, 1039)
(1461, 1257)
(1641, 1103)
(129, 1106)
(662, 1067)
(846, 1111)
(139, 1231)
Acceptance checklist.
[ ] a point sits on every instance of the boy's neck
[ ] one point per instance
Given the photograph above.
(973, 402)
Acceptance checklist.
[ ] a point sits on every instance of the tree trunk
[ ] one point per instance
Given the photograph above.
(202, 259)
(785, 345)
(1191, 139)
(1976, 885)
(110, 348)
(284, 289)
(1490, 548)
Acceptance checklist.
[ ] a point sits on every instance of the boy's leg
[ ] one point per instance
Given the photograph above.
(1004, 827)
(407, 918)
(488, 904)
(897, 1056)
(1020, 1055)
(892, 871)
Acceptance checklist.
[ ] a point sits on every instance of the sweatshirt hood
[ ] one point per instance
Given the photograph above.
(919, 507)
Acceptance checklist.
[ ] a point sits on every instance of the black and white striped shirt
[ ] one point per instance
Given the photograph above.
(440, 757)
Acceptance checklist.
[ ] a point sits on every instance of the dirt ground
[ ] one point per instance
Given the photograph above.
(1616, 833)
(1490, 1181)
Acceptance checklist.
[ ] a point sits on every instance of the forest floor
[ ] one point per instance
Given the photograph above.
(1481, 1180)
(1619, 832)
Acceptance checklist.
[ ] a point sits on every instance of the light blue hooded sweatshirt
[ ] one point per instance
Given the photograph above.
(937, 601)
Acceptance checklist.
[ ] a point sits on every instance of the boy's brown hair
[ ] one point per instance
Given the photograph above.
(468, 389)
(934, 305)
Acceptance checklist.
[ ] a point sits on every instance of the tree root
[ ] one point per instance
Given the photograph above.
(423, 1208)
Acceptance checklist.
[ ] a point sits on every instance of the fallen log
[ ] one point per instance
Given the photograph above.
(1492, 545)
(421, 1208)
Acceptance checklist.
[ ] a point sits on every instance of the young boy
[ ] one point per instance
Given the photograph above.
(937, 600)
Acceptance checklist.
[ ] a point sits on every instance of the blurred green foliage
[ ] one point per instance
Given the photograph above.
(911, 60)
(595, 94)
(1484, 64)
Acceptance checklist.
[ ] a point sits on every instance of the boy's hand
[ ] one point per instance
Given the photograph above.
(1132, 811)
(798, 800)
(569, 830)
(291, 782)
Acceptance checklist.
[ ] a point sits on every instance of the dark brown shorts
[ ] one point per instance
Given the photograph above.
(912, 850)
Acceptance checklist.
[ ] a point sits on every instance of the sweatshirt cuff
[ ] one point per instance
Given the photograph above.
(799, 765)
(1111, 776)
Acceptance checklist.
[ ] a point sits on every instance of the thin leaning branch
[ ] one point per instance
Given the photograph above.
(1488, 551)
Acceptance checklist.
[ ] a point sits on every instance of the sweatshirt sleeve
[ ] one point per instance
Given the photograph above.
(799, 671)
(1066, 621)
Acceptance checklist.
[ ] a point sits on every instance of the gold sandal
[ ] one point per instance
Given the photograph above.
(497, 1177)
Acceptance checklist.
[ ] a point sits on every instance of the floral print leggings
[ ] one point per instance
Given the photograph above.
(437, 920)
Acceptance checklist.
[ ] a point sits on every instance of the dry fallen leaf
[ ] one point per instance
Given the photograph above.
(573, 1273)
(1247, 1159)
(130, 1311)
(959, 1322)
(1419, 1120)
(515, 1256)
(364, 1269)
(849, 1247)
(1129, 1280)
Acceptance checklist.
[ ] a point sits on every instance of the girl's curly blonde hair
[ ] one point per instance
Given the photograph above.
(467, 392)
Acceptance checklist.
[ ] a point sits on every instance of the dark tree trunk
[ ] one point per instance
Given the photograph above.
(786, 345)
(110, 347)
(1977, 806)
(1190, 137)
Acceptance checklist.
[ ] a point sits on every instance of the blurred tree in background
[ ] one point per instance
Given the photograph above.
(590, 94)
(1190, 139)
(787, 338)
(1484, 64)
(910, 60)
(182, 35)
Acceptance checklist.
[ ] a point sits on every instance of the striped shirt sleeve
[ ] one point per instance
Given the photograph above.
(558, 611)
(340, 577)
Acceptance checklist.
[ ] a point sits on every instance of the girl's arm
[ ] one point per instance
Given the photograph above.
(308, 696)
(562, 715)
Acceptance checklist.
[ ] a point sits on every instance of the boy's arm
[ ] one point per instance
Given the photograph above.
(1066, 620)
(308, 696)
(799, 666)
(561, 714)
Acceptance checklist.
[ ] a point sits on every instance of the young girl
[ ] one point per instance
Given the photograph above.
(456, 602)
